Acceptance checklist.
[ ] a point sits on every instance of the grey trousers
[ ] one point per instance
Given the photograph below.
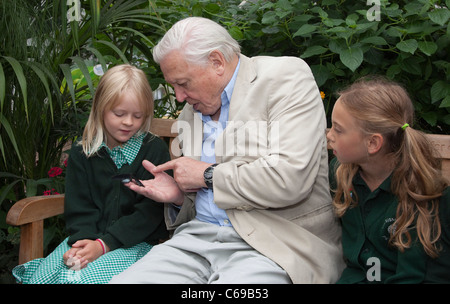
(203, 253)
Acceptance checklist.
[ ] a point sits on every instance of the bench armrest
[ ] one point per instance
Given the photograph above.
(30, 213)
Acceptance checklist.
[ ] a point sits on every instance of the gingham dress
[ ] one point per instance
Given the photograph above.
(52, 270)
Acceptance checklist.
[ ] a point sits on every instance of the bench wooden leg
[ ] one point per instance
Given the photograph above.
(31, 241)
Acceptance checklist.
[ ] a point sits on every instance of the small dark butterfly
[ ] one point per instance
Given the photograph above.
(126, 178)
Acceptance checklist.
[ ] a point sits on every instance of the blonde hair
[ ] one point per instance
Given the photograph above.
(115, 82)
(382, 106)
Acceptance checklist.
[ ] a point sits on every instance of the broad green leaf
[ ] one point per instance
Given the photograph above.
(393, 70)
(375, 40)
(313, 50)
(352, 57)
(321, 74)
(439, 15)
(408, 46)
(305, 30)
(439, 90)
(446, 102)
(428, 47)
(212, 8)
(269, 18)
(236, 33)
(430, 118)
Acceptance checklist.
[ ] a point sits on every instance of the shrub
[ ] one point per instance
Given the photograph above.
(407, 41)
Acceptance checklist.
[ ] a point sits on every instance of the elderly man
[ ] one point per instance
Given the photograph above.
(250, 199)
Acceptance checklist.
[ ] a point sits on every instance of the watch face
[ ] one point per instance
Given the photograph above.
(207, 175)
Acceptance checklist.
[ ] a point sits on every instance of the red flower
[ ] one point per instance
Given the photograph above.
(55, 171)
(51, 192)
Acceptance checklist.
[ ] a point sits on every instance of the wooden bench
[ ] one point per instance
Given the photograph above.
(29, 213)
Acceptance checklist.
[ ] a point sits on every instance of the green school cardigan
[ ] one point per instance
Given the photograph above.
(365, 234)
(97, 206)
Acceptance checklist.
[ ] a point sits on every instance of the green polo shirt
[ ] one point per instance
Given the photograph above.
(365, 235)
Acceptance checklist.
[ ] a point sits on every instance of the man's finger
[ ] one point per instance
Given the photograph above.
(166, 166)
(148, 165)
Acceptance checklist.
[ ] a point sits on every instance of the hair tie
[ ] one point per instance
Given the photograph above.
(405, 126)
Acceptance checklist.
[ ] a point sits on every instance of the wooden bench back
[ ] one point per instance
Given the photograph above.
(29, 213)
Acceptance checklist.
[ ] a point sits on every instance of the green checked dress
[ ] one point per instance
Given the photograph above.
(98, 207)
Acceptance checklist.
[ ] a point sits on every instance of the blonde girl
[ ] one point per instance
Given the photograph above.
(388, 189)
(109, 226)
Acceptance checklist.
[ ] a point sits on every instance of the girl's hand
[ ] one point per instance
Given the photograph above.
(73, 261)
(83, 252)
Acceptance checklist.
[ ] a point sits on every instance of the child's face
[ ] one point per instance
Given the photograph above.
(124, 120)
(345, 136)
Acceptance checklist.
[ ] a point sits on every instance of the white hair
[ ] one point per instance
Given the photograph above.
(196, 38)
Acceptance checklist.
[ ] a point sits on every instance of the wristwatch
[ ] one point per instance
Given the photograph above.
(208, 176)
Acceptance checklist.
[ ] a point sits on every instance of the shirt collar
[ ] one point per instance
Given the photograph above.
(225, 98)
(127, 153)
(385, 185)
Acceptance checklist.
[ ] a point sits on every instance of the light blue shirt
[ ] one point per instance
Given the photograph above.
(206, 209)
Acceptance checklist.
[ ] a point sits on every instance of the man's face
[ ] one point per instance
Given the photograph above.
(200, 86)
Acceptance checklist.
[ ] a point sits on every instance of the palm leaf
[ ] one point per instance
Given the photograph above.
(99, 56)
(44, 81)
(145, 38)
(83, 68)
(21, 78)
(2, 87)
(115, 48)
(5, 124)
(69, 81)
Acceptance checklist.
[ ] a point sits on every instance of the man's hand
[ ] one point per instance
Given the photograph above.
(187, 172)
(163, 188)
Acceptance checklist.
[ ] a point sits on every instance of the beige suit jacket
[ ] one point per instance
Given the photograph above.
(275, 191)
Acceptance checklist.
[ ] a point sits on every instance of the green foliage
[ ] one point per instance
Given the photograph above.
(46, 84)
(343, 41)
(407, 41)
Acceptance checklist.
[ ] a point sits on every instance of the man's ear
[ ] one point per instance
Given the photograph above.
(218, 62)
(375, 143)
